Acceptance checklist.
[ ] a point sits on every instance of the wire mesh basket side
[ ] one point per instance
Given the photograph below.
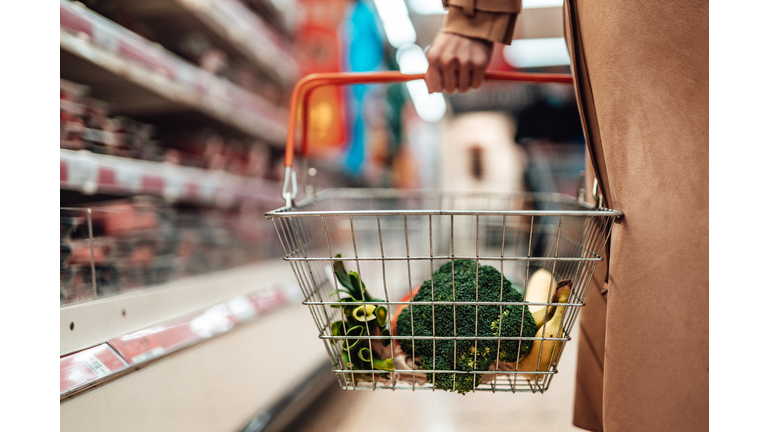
(394, 245)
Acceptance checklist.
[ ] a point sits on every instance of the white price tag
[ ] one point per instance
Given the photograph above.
(99, 368)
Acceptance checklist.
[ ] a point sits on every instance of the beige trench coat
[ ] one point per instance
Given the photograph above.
(642, 84)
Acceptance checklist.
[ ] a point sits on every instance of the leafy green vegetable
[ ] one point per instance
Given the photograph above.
(350, 282)
(359, 320)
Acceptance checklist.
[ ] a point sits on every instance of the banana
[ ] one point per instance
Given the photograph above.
(544, 351)
(543, 314)
(541, 286)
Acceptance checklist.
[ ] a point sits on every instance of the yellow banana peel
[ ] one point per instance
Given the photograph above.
(543, 352)
(541, 286)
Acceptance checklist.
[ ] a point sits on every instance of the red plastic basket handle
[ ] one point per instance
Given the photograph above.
(305, 87)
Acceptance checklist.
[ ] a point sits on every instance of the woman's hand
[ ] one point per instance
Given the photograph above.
(457, 62)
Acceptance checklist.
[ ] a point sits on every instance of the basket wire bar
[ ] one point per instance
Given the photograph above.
(501, 298)
(395, 240)
(432, 287)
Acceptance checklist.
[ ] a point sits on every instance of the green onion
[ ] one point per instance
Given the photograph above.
(351, 344)
(387, 365)
(381, 316)
(364, 354)
(364, 313)
(385, 342)
(337, 328)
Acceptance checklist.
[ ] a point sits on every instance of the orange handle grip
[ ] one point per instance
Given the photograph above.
(304, 89)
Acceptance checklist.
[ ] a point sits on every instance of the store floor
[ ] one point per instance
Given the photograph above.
(426, 411)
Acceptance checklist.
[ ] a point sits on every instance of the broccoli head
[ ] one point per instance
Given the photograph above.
(465, 281)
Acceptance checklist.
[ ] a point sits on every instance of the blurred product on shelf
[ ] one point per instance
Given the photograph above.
(71, 114)
(273, 14)
(198, 49)
(67, 225)
(118, 13)
(85, 125)
(141, 242)
(100, 250)
(66, 253)
(208, 149)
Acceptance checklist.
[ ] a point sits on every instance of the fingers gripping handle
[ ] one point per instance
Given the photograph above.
(305, 87)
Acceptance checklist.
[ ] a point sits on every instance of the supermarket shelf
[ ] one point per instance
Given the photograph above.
(92, 173)
(230, 23)
(84, 369)
(141, 77)
(89, 324)
(216, 385)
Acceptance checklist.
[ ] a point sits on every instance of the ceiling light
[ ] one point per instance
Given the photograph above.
(427, 7)
(397, 24)
(430, 107)
(411, 59)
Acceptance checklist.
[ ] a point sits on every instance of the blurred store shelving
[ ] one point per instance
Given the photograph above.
(173, 116)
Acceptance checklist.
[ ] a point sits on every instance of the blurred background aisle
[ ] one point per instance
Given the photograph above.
(176, 308)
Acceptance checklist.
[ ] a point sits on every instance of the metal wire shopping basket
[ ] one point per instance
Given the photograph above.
(436, 289)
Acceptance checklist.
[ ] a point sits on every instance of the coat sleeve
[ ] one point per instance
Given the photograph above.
(492, 20)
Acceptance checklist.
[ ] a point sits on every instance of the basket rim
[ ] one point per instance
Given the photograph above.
(588, 209)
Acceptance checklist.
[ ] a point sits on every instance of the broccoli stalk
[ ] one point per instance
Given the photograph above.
(469, 282)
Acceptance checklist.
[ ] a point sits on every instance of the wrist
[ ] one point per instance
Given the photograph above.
(483, 25)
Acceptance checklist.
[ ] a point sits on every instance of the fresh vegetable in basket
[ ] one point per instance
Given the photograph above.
(469, 282)
(361, 318)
